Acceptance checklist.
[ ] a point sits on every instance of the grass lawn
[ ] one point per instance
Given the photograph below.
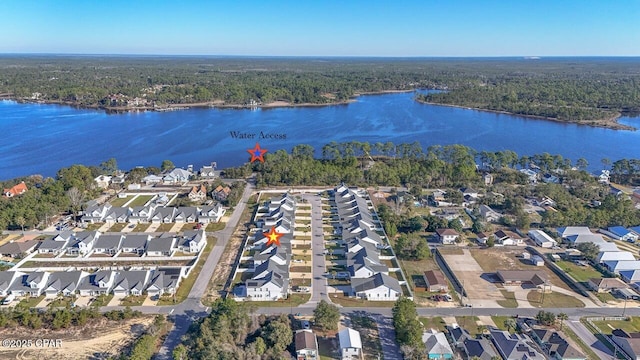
(164, 227)
(356, 302)
(102, 300)
(216, 226)
(469, 323)
(133, 300)
(30, 302)
(300, 282)
(117, 227)
(118, 201)
(62, 302)
(433, 323)
(94, 227)
(604, 296)
(450, 251)
(294, 300)
(632, 325)
(141, 227)
(553, 300)
(140, 200)
(579, 273)
(499, 321)
(300, 269)
(188, 227)
(510, 300)
(187, 284)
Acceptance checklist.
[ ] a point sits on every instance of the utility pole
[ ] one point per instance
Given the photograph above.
(625, 305)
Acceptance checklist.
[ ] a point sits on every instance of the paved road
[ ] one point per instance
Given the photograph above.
(585, 335)
(189, 310)
(318, 280)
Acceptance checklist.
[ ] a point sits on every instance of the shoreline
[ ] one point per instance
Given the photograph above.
(609, 123)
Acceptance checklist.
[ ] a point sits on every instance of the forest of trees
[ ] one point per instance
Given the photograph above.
(566, 89)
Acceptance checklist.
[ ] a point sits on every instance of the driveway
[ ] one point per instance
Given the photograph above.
(318, 280)
(588, 338)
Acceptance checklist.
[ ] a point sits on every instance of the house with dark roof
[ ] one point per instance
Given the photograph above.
(471, 347)
(221, 193)
(514, 346)
(161, 246)
(436, 281)
(447, 236)
(132, 282)
(98, 283)
(620, 233)
(63, 282)
(18, 249)
(379, 287)
(164, 281)
(55, 244)
(554, 345)
(508, 238)
(118, 214)
(306, 345)
(29, 284)
(164, 215)
(605, 284)
(628, 342)
(186, 214)
(516, 277)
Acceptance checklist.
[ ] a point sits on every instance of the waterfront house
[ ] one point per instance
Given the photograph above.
(176, 176)
(29, 284)
(103, 181)
(447, 236)
(98, 283)
(531, 175)
(379, 287)
(152, 179)
(63, 283)
(15, 190)
(350, 344)
(306, 345)
(208, 171)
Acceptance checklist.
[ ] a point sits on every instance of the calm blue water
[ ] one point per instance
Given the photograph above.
(43, 138)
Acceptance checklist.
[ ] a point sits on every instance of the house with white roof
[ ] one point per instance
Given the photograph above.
(152, 179)
(488, 213)
(585, 238)
(176, 176)
(193, 241)
(566, 231)
(630, 276)
(620, 233)
(616, 266)
(542, 239)
(614, 256)
(103, 181)
(211, 214)
(350, 344)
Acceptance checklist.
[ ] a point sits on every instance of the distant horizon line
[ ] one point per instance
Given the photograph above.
(527, 57)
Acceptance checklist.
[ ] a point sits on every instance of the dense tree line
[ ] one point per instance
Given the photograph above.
(408, 328)
(56, 319)
(229, 332)
(559, 88)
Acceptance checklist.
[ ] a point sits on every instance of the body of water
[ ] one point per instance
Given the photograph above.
(40, 139)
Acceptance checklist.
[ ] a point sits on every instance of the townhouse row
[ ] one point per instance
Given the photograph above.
(93, 242)
(153, 213)
(270, 263)
(102, 282)
(369, 274)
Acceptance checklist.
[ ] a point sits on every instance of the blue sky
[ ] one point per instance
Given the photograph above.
(323, 28)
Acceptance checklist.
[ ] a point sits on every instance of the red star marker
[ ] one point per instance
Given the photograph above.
(257, 153)
(273, 237)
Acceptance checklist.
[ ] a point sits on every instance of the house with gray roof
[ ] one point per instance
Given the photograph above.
(186, 214)
(628, 342)
(554, 345)
(55, 244)
(108, 244)
(176, 176)
(118, 215)
(365, 263)
(211, 214)
(161, 246)
(63, 282)
(514, 346)
(135, 244)
(29, 284)
(379, 287)
(436, 345)
(83, 242)
(7, 278)
(142, 214)
(18, 249)
(98, 283)
(164, 281)
(96, 213)
(164, 215)
(132, 282)
(193, 241)
(271, 287)
(152, 179)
